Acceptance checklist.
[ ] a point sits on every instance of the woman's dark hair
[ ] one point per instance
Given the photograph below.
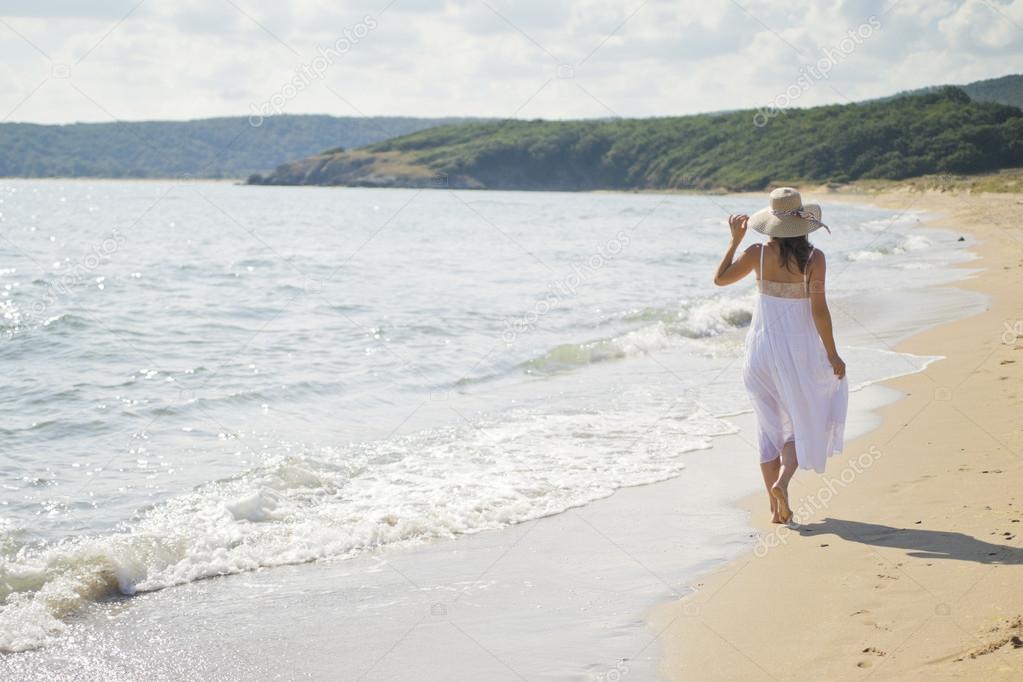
(794, 250)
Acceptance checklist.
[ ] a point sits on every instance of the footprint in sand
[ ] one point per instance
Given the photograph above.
(884, 577)
(866, 663)
(872, 623)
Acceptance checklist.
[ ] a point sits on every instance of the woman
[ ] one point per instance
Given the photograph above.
(792, 371)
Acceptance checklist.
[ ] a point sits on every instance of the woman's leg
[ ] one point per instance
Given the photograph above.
(771, 471)
(780, 489)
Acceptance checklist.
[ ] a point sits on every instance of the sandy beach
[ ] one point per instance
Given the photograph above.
(907, 558)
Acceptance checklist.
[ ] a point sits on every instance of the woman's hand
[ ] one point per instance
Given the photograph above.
(737, 224)
(837, 365)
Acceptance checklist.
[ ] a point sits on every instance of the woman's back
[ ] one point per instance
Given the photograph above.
(772, 269)
(776, 280)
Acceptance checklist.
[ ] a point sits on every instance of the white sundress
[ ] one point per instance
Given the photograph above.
(795, 394)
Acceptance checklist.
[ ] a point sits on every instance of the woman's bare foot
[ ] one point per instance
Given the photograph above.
(782, 496)
(771, 471)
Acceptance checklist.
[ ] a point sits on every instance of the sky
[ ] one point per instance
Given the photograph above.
(67, 60)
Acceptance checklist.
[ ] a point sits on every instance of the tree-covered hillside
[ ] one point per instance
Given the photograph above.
(1004, 90)
(213, 148)
(940, 132)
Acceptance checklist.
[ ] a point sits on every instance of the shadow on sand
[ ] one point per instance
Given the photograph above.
(923, 543)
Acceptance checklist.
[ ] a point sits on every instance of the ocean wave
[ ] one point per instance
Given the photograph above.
(909, 243)
(704, 319)
(15, 320)
(878, 225)
(341, 502)
(866, 255)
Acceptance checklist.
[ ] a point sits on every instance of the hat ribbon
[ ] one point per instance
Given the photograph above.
(801, 213)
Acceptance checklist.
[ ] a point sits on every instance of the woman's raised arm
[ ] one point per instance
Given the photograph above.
(729, 271)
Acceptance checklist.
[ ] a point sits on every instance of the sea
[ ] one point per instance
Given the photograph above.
(280, 432)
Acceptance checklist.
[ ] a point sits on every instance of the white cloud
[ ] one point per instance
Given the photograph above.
(196, 58)
(985, 26)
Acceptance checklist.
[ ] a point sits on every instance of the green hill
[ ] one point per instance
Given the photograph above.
(211, 148)
(1004, 90)
(939, 132)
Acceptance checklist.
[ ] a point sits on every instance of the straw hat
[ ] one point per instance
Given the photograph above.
(787, 216)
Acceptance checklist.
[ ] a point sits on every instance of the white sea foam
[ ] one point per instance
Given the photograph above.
(866, 255)
(913, 242)
(895, 222)
(336, 503)
(906, 244)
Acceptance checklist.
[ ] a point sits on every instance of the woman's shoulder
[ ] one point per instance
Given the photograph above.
(817, 262)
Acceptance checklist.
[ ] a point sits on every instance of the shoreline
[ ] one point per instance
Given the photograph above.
(603, 565)
(863, 588)
(1007, 180)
